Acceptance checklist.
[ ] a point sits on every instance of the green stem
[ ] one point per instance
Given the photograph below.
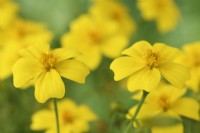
(56, 114)
(137, 110)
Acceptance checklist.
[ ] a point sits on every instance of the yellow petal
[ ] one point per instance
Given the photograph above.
(125, 66)
(91, 57)
(86, 113)
(35, 50)
(178, 128)
(193, 83)
(42, 120)
(137, 49)
(147, 110)
(114, 46)
(187, 107)
(63, 54)
(49, 85)
(174, 73)
(24, 71)
(167, 52)
(73, 70)
(169, 19)
(145, 79)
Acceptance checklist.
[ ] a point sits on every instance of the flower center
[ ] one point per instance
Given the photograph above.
(164, 102)
(152, 59)
(22, 31)
(160, 4)
(117, 13)
(95, 36)
(196, 61)
(67, 117)
(48, 61)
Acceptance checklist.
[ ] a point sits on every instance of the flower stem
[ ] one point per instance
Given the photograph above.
(56, 114)
(145, 93)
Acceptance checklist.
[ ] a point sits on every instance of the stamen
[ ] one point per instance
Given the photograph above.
(164, 102)
(48, 61)
(152, 59)
(67, 117)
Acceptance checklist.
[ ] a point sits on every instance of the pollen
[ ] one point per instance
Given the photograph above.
(95, 36)
(67, 117)
(48, 61)
(152, 59)
(164, 102)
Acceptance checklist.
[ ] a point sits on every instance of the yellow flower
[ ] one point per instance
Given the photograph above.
(44, 67)
(144, 65)
(93, 39)
(20, 35)
(191, 59)
(8, 11)
(167, 100)
(72, 118)
(115, 13)
(164, 12)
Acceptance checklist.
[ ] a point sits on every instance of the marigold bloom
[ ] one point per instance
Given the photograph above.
(115, 13)
(191, 59)
(164, 12)
(8, 13)
(44, 67)
(167, 100)
(72, 118)
(95, 39)
(20, 35)
(144, 65)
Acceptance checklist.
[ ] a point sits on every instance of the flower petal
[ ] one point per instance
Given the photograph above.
(42, 120)
(178, 128)
(24, 71)
(125, 66)
(91, 57)
(174, 73)
(35, 50)
(49, 85)
(167, 52)
(137, 49)
(187, 107)
(63, 54)
(145, 79)
(114, 46)
(73, 70)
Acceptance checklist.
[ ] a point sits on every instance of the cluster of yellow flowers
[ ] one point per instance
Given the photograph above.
(158, 70)
(105, 30)
(162, 72)
(16, 34)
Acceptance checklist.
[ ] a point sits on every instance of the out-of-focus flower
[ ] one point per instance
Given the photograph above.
(191, 59)
(164, 12)
(115, 13)
(20, 35)
(167, 100)
(72, 118)
(94, 39)
(8, 13)
(144, 65)
(44, 67)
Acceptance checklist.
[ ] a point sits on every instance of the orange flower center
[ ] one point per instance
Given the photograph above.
(117, 13)
(160, 4)
(164, 102)
(152, 59)
(48, 61)
(95, 36)
(67, 117)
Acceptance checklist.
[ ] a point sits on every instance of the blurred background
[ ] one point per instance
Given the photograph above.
(107, 98)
